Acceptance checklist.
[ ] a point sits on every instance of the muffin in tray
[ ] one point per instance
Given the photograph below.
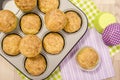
(30, 23)
(74, 22)
(30, 46)
(53, 43)
(11, 44)
(55, 20)
(47, 5)
(88, 58)
(8, 21)
(26, 5)
(36, 65)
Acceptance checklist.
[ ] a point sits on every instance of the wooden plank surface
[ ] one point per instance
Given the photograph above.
(116, 64)
(8, 72)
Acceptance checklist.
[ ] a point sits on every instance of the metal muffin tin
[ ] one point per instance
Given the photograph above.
(71, 39)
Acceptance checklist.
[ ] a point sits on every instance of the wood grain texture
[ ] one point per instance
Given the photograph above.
(8, 72)
(116, 64)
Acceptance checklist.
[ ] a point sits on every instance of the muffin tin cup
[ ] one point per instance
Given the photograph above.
(80, 18)
(42, 72)
(52, 60)
(30, 13)
(3, 40)
(60, 35)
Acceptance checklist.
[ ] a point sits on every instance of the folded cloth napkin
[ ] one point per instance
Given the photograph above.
(70, 69)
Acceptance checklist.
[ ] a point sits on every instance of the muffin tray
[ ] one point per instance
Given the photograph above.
(53, 61)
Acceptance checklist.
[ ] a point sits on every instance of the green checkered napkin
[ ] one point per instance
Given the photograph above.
(90, 9)
(54, 76)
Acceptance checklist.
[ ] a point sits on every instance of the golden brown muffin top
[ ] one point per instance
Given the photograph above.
(30, 23)
(88, 58)
(36, 66)
(53, 43)
(11, 44)
(48, 5)
(30, 45)
(55, 20)
(8, 21)
(26, 5)
(74, 22)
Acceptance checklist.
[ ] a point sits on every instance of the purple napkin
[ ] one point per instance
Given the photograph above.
(70, 69)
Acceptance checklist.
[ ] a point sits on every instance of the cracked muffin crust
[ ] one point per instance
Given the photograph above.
(87, 58)
(26, 5)
(48, 5)
(8, 21)
(30, 23)
(55, 20)
(36, 65)
(53, 43)
(30, 46)
(11, 44)
(74, 22)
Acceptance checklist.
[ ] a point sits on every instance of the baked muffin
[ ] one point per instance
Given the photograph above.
(55, 20)
(74, 22)
(30, 23)
(36, 65)
(48, 5)
(88, 58)
(53, 43)
(26, 5)
(11, 44)
(30, 46)
(8, 21)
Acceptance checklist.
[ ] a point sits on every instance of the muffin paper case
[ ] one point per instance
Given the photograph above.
(102, 20)
(111, 35)
(91, 11)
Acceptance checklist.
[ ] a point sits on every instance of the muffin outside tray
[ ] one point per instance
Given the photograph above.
(52, 60)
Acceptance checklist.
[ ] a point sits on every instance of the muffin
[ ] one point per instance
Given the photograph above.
(74, 22)
(55, 20)
(26, 5)
(8, 21)
(53, 43)
(87, 58)
(36, 65)
(11, 44)
(30, 23)
(30, 46)
(48, 5)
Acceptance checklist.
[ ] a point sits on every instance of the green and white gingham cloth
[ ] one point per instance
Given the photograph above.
(56, 75)
(91, 11)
